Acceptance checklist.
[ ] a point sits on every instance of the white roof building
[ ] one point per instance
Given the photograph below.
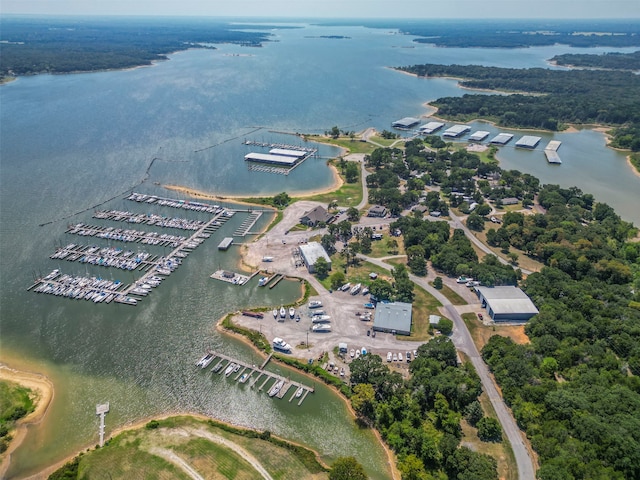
(506, 304)
(311, 252)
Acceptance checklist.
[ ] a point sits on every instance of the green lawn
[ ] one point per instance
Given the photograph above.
(348, 195)
(353, 146)
(424, 304)
(452, 296)
(153, 453)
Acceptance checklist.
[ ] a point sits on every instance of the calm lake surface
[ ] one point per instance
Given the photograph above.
(71, 144)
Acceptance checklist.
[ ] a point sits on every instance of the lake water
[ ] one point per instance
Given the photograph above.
(74, 143)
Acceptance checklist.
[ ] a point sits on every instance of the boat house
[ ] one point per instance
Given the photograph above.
(506, 304)
(315, 216)
(501, 139)
(528, 141)
(393, 317)
(225, 243)
(429, 128)
(478, 136)
(456, 131)
(311, 252)
(405, 123)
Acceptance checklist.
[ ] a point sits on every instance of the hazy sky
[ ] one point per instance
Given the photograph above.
(336, 8)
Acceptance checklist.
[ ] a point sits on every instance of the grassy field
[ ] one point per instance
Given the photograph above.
(452, 296)
(482, 333)
(183, 447)
(356, 273)
(353, 146)
(381, 248)
(424, 304)
(16, 402)
(348, 195)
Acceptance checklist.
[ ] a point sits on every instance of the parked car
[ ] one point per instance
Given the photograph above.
(368, 333)
(480, 316)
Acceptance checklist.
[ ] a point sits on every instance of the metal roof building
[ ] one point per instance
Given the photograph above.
(528, 141)
(311, 252)
(225, 243)
(506, 304)
(287, 153)
(269, 158)
(393, 317)
(430, 127)
(406, 122)
(456, 131)
(501, 139)
(478, 136)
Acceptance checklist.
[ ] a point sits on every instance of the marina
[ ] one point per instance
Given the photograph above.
(154, 267)
(282, 158)
(242, 372)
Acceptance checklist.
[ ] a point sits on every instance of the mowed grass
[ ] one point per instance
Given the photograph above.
(452, 296)
(424, 304)
(353, 146)
(481, 333)
(348, 195)
(147, 453)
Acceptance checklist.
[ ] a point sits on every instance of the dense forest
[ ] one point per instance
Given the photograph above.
(63, 45)
(574, 96)
(575, 388)
(610, 60)
(509, 33)
(420, 418)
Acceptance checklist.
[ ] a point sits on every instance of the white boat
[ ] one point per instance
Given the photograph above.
(299, 392)
(345, 287)
(263, 281)
(365, 290)
(321, 327)
(283, 312)
(280, 345)
(276, 388)
(236, 368)
(243, 377)
(389, 357)
(229, 368)
(342, 372)
(357, 353)
(400, 356)
(292, 312)
(315, 304)
(205, 358)
(320, 319)
(356, 289)
(267, 259)
(275, 313)
(352, 353)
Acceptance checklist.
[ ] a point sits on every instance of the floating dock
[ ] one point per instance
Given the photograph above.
(501, 139)
(253, 374)
(551, 152)
(456, 131)
(230, 277)
(225, 243)
(429, 128)
(478, 136)
(282, 158)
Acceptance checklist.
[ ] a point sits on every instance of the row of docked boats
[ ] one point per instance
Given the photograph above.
(126, 235)
(168, 202)
(283, 312)
(93, 289)
(149, 219)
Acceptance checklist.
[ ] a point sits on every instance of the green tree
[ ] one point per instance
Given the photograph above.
(281, 199)
(437, 283)
(352, 173)
(475, 222)
(363, 400)
(321, 268)
(412, 468)
(337, 279)
(416, 260)
(489, 430)
(353, 214)
(347, 468)
(445, 326)
(473, 413)
(381, 289)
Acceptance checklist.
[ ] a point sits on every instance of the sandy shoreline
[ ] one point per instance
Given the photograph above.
(43, 390)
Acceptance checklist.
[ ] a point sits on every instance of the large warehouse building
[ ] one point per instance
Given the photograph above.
(506, 304)
(311, 252)
(393, 317)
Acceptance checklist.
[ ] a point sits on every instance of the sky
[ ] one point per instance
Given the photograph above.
(551, 9)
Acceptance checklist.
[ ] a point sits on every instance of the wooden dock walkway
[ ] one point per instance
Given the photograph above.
(255, 374)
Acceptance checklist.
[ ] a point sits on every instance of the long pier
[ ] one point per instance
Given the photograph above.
(244, 372)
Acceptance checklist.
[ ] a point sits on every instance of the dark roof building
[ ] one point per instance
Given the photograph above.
(377, 211)
(506, 304)
(315, 216)
(393, 317)
(405, 123)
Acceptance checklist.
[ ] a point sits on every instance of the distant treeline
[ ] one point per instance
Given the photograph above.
(63, 45)
(574, 96)
(512, 33)
(610, 60)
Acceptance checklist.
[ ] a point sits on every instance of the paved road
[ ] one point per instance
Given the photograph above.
(462, 340)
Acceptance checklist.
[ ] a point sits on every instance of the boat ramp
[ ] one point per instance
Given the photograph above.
(257, 377)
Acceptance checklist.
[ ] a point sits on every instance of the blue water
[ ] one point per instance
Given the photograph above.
(72, 143)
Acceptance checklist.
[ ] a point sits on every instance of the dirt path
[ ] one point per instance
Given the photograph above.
(172, 457)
